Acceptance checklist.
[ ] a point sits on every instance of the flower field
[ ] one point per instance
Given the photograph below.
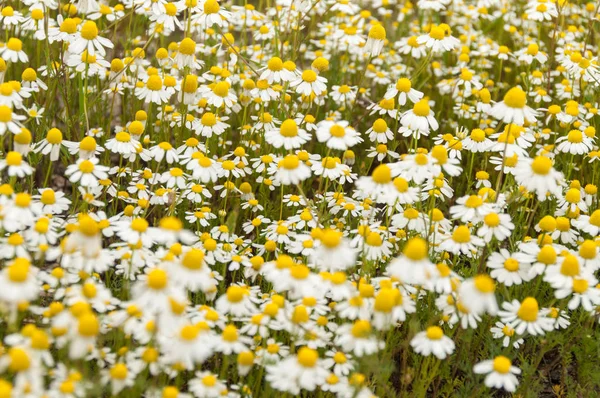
(315, 198)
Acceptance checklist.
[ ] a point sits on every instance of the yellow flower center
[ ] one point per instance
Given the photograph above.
(86, 167)
(331, 238)
(502, 364)
(403, 85)
(434, 333)
(421, 159)
(309, 76)
(492, 220)
(157, 279)
(209, 380)
(515, 98)
(484, 284)
(119, 371)
(374, 239)
(437, 33)
(511, 265)
(573, 195)
(275, 64)
(377, 32)
(54, 136)
(193, 259)
(575, 136)
(416, 249)
(580, 285)
(461, 234)
(18, 271)
(8, 11)
(187, 46)
(230, 333)
(529, 310)
(289, 128)
(570, 266)
(299, 271)
(19, 360)
(89, 30)
(235, 294)
(123, 136)
(422, 108)
(382, 174)
(88, 325)
(5, 114)
(211, 7)
(361, 329)
(547, 255)
(307, 357)
(337, 131)
(189, 332)
(344, 89)
(22, 199)
(290, 162)
(14, 44)
(474, 202)
(541, 165)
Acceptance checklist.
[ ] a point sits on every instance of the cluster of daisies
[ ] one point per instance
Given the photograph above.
(317, 197)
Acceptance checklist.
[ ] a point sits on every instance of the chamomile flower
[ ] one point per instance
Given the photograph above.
(433, 341)
(309, 83)
(88, 39)
(291, 170)
(418, 121)
(439, 38)
(513, 108)
(500, 373)
(526, 316)
(13, 51)
(302, 371)
(289, 135)
(337, 135)
(86, 172)
(538, 175)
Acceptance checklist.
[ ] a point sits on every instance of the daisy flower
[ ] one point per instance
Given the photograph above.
(335, 252)
(211, 14)
(13, 51)
(433, 341)
(538, 176)
(478, 294)
(575, 143)
(309, 83)
(495, 225)
(88, 40)
(288, 135)
(153, 90)
(10, 121)
(337, 135)
(413, 266)
(51, 144)
(86, 172)
(358, 338)
(461, 242)
(375, 40)
(439, 39)
(513, 108)
(296, 372)
(291, 170)
(403, 89)
(418, 121)
(526, 316)
(15, 165)
(510, 269)
(500, 373)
